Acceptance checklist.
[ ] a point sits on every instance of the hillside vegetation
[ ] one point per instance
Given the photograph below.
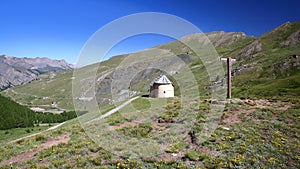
(247, 136)
(13, 115)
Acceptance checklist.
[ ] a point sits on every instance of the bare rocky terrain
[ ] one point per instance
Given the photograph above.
(16, 71)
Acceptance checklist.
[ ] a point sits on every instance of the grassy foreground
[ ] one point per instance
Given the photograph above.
(15, 133)
(250, 134)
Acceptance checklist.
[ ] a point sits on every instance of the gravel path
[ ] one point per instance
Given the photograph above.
(32, 135)
(113, 110)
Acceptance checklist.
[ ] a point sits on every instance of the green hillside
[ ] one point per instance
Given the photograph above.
(272, 65)
(267, 62)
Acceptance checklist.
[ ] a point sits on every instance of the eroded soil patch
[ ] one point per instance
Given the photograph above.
(50, 142)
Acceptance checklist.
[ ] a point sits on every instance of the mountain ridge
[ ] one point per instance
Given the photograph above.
(16, 71)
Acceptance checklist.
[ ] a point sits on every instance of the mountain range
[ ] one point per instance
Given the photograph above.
(267, 66)
(16, 71)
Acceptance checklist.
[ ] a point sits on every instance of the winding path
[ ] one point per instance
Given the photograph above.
(113, 110)
(51, 128)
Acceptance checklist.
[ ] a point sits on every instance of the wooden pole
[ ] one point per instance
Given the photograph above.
(229, 62)
(229, 78)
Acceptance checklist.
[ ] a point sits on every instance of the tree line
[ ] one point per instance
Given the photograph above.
(14, 115)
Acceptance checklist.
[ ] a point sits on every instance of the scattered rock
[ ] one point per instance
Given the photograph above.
(174, 154)
(225, 128)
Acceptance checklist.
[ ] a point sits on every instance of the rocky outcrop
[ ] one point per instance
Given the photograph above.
(292, 40)
(251, 51)
(225, 39)
(287, 67)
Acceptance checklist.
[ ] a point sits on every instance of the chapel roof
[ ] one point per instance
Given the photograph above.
(162, 79)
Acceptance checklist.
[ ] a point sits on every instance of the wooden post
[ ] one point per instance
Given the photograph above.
(229, 78)
(229, 62)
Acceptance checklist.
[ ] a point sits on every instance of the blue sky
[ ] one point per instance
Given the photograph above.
(58, 29)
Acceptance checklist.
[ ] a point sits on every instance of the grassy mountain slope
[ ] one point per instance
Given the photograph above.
(267, 66)
(272, 64)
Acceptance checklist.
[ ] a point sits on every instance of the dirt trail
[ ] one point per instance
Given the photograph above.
(253, 105)
(126, 124)
(32, 135)
(278, 105)
(113, 110)
(53, 141)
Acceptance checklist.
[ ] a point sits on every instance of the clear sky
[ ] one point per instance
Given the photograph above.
(58, 29)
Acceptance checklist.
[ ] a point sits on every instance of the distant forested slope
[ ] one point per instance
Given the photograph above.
(14, 115)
